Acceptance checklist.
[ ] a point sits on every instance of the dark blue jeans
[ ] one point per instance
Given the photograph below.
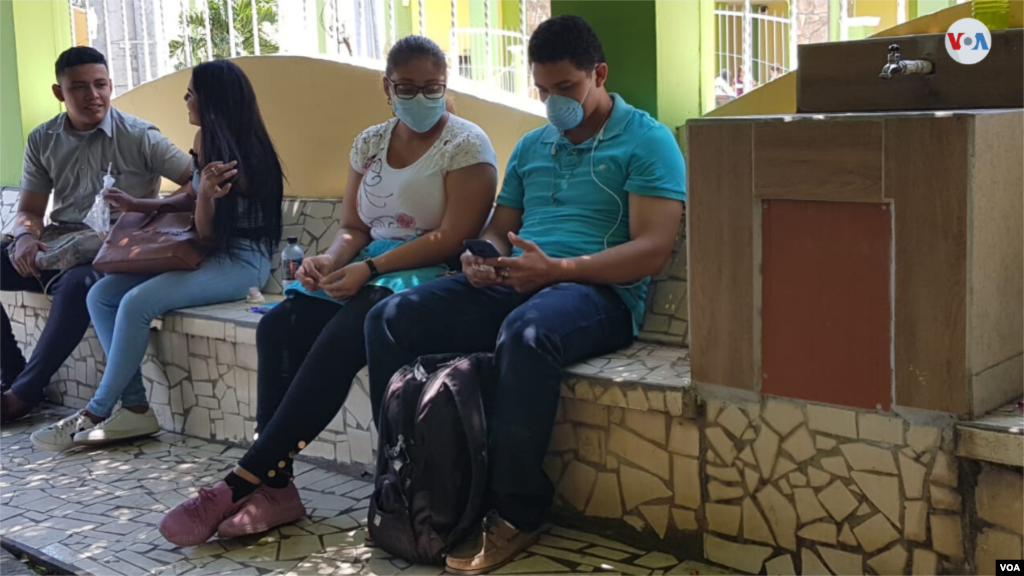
(67, 323)
(533, 337)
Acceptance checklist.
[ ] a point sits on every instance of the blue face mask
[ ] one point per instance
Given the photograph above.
(419, 113)
(565, 113)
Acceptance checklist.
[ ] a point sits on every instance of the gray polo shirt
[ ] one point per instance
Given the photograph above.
(72, 164)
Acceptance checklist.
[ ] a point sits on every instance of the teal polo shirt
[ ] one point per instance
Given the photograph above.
(567, 212)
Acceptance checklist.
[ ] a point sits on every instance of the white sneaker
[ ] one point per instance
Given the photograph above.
(121, 425)
(60, 436)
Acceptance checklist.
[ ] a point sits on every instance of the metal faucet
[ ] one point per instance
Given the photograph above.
(896, 66)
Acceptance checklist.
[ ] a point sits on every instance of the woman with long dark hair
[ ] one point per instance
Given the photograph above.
(419, 185)
(235, 196)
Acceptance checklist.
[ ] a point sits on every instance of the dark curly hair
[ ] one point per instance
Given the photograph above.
(569, 38)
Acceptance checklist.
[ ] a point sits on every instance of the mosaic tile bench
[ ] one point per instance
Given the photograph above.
(201, 379)
(638, 452)
(750, 482)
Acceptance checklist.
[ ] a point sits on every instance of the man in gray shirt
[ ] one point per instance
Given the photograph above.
(67, 157)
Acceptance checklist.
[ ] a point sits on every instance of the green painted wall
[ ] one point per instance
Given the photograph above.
(660, 52)
(708, 44)
(834, 7)
(476, 13)
(679, 75)
(627, 32)
(12, 142)
(403, 20)
(920, 8)
(49, 34)
(509, 15)
(34, 33)
(321, 34)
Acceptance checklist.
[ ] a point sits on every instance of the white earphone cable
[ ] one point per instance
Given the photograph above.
(618, 220)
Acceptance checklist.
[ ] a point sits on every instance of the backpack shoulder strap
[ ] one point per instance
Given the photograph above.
(466, 378)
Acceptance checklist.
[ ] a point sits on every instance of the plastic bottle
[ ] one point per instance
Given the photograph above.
(994, 14)
(291, 258)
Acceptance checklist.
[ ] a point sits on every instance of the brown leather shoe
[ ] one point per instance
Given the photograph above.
(497, 544)
(12, 408)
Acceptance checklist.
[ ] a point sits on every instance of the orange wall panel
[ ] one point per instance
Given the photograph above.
(826, 316)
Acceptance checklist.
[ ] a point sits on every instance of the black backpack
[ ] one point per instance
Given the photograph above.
(431, 458)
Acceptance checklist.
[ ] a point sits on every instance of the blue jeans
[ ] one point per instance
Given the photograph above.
(122, 307)
(533, 337)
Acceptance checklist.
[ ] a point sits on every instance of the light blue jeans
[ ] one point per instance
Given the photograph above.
(122, 306)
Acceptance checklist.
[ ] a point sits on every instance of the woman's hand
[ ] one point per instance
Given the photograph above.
(347, 282)
(479, 274)
(121, 201)
(313, 270)
(212, 178)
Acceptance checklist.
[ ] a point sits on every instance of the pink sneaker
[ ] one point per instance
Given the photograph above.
(267, 508)
(194, 522)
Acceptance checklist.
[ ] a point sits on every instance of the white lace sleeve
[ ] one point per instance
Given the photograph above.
(368, 146)
(469, 146)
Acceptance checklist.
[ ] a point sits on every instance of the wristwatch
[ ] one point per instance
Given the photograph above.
(373, 268)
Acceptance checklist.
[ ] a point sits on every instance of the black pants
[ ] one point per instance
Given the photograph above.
(309, 352)
(69, 319)
(533, 336)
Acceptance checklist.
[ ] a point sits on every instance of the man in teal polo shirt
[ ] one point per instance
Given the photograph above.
(588, 211)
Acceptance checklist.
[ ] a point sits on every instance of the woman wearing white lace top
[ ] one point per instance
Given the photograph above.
(420, 185)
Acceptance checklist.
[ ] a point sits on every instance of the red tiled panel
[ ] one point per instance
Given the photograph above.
(826, 314)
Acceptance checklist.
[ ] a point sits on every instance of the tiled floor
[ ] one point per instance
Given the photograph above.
(98, 511)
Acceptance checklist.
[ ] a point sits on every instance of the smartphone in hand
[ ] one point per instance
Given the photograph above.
(481, 248)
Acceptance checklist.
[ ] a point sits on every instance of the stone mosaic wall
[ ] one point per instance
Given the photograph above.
(200, 377)
(627, 453)
(812, 21)
(784, 486)
(998, 517)
(313, 222)
(667, 315)
(779, 486)
(804, 486)
(8, 208)
(200, 373)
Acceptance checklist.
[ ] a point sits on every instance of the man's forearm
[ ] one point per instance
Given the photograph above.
(28, 222)
(622, 264)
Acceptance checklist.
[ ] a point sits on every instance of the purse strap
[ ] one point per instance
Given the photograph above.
(163, 209)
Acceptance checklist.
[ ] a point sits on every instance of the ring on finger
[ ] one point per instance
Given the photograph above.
(504, 273)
